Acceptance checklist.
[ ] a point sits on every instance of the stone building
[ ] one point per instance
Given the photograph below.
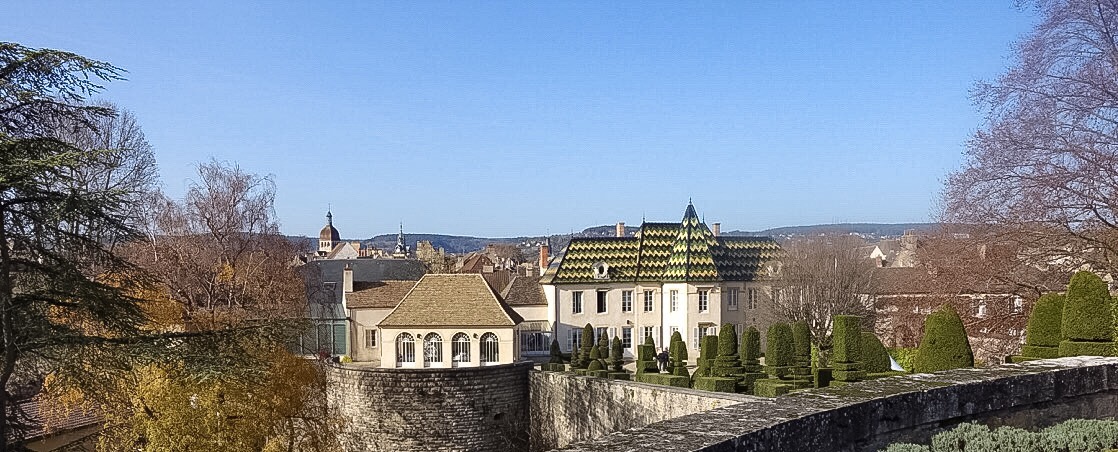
(667, 277)
(450, 320)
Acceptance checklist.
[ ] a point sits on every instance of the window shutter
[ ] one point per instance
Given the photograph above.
(656, 336)
(612, 334)
(695, 338)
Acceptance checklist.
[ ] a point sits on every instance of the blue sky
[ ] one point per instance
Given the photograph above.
(521, 118)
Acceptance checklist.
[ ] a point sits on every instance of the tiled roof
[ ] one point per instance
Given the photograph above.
(684, 251)
(451, 300)
(378, 294)
(39, 420)
(317, 272)
(524, 291)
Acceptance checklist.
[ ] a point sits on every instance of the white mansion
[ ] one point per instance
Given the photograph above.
(667, 277)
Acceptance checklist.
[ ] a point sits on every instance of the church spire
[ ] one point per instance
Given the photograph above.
(401, 245)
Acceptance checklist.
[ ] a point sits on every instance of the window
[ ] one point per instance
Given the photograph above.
(370, 338)
(673, 299)
(627, 337)
(576, 302)
(599, 333)
(460, 349)
(751, 299)
(980, 308)
(574, 338)
(490, 346)
(648, 301)
(1018, 305)
(673, 331)
(704, 300)
(732, 299)
(646, 331)
(432, 350)
(602, 301)
(405, 349)
(626, 301)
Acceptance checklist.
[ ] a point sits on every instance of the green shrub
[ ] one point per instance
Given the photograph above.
(847, 338)
(584, 347)
(1037, 352)
(727, 341)
(945, 344)
(1075, 435)
(556, 354)
(1087, 315)
(801, 335)
(780, 351)
(679, 352)
(874, 357)
(1074, 348)
(716, 384)
(904, 356)
(751, 349)
(616, 355)
(822, 376)
(708, 351)
(1044, 325)
(618, 376)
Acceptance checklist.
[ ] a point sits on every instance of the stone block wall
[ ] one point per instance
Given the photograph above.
(566, 408)
(868, 416)
(459, 409)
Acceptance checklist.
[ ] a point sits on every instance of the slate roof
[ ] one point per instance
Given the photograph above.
(524, 291)
(378, 294)
(439, 300)
(326, 270)
(684, 251)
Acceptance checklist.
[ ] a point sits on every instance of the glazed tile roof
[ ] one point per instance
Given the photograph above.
(684, 251)
(451, 300)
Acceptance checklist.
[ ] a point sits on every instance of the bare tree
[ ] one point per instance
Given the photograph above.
(821, 277)
(1044, 166)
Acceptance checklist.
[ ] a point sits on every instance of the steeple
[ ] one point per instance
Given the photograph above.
(329, 218)
(328, 237)
(401, 249)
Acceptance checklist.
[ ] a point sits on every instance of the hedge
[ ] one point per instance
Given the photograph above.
(708, 351)
(616, 355)
(1087, 312)
(945, 344)
(771, 388)
(847, 338)
(874, 356)
(1075, 435)
(716, 384)
(822, 376)
(1075, 348)
(801, 335)
(904, 356)
(1044, 325)
(665, 379)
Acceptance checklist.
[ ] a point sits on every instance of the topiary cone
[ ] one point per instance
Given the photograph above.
(1087, 315)
(945, 344)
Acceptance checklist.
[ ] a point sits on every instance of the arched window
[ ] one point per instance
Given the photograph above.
(489, 349)
(460, 350)
(405, 350)
(432, 350)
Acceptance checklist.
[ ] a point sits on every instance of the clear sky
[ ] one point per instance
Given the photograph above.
(521, 118)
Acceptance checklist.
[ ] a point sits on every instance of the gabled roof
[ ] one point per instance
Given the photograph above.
(684, 251)
(377, 294)
(524, 291)
(451, 300)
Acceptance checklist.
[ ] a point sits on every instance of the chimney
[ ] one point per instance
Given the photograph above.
(347, 279)
(545, 252)
(621, 229)
(716, 228)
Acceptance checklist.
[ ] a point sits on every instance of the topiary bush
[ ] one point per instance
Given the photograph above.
(595, 362)
(677, 354)
(801, 335)
(1045, 322)
(904, 356)
(616, 355)
(585, 346)
(781, 350)
(751, 349)
(708, 351)
(727, 341)
(646, 357)
(1087, 323)
(847, 338)
(945, 344)
(874, 357)
(556, 354)
(716, 384)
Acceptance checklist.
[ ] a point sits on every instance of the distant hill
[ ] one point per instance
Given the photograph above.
(464, 244)
(866, 230)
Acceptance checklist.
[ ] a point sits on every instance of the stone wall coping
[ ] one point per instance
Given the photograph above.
(359, 368)
(875, 407)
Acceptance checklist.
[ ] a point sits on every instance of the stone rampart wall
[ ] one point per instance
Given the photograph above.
(567, 408)
(869, 416)
(462, 409)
